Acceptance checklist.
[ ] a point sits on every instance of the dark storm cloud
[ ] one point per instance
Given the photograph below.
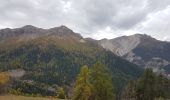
(90, 17)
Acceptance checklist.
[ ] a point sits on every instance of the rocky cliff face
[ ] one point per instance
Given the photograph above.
(122, 45)
(142, 50)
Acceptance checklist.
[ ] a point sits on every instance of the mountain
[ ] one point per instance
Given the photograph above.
(41, 60)
(121, 45)
(29, 32)
(141, 49)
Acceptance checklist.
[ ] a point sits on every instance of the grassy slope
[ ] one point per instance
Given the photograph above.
(13, 97)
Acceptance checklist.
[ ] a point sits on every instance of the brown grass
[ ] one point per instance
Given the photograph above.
(13, 97)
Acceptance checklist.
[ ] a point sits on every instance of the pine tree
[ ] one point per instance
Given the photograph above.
(129, 92)
(61, 94)
(149, 86)
(83, 89)
(160, 86)
(102, 83)
(146, 86)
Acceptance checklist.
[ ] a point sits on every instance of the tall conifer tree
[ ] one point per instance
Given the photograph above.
(82, 90)
(102, 83)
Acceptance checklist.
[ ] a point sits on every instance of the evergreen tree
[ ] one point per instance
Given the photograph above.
(83, 89)
(61, 94)
(160, 86)
(102, 83)
(129, 92)
(149, 86)
(146, 86)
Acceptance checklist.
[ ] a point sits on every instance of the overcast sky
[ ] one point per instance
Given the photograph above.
(92, 18)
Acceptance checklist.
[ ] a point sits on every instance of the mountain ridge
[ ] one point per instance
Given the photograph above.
(33, 31)
(140, 49)
(54, 59)
(59, 29)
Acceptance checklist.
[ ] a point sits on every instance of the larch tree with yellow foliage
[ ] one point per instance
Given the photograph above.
(83, 89)
(4, 80)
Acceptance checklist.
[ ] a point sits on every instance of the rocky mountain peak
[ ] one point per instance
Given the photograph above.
(32, 31)
(63, 31)
(124, 44)
(144, 37)
(29, 27)
(121, 45)
(62, 27)
(104, 39)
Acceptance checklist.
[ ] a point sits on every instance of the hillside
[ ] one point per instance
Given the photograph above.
(142, 50)
(50, 58)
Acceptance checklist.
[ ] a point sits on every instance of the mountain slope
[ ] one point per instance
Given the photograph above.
(142, 50)
(53, 57)
(122, 45)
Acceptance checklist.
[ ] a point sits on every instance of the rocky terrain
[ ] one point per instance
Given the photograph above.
(141, 49)
(122, 45)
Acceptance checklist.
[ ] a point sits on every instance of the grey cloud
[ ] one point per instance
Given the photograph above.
(119, 14)
(86, 16)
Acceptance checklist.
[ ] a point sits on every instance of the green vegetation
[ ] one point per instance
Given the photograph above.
(52, 62)
(83, 88)
(94, 85)
(101, 81)
(61, 94)
(148, 87)
(149, 48)
(49, 66)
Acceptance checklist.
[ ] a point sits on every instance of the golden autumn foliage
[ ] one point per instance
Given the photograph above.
(4, 80)
(94, 84)
(83, 89)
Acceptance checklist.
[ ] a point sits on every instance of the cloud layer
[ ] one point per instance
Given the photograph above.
(92, 18)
